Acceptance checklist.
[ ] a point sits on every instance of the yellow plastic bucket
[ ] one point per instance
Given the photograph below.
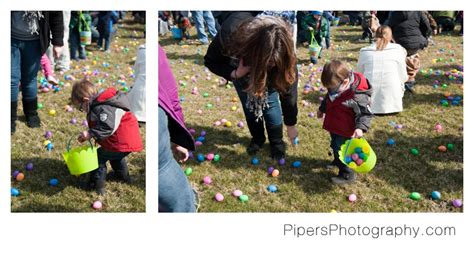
(349, 148)
(81, 160)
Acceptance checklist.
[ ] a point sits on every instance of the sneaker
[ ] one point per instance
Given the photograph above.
(53, 80)
(410, 86)
(345, 178)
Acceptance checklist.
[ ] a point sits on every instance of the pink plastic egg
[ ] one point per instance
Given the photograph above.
(352, 197)
(210, 156)
(237, 193)
(355, 157)
(217, 123)
(97, 205)
(219, 197)
(359, 162)
(207, 180)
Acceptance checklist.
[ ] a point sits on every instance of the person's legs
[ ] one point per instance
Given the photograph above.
(199, 23)
(413, 66)
(256, 127)
(211, 24)
(97, 177)
(345, 175)
(74, 41)
(30, 64)
(63, 63)
(120, 167)
(107, 36)
(174, 192)
(15, 77)
(274, 125)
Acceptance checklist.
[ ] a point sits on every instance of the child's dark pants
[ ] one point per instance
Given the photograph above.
(336, 143)
(118, 162)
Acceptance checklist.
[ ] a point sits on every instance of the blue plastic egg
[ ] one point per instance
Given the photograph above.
(201, 139)
(255, 161)
(15, 192)
(53, 182)
(358, 150)
(200, 157)
(390, 142)
(272, 188)
(435, 195)
(296, 164)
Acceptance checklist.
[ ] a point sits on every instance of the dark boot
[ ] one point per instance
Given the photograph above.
(345, 176)
(258, 136)
(120, 173)
(97, 180)
(31, 114)
(13, 116)
(275, 136)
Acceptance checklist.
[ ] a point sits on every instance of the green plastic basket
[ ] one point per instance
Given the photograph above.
(81, 160)
(349, 148)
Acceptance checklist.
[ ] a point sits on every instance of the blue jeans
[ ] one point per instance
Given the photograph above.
(272, 115)
(25, 63)
(175, 193)
(104, 39)
(117, 160)
(75, 46)
(199, 17)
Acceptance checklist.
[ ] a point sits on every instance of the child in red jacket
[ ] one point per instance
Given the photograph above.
(112, 125)
(346, 111)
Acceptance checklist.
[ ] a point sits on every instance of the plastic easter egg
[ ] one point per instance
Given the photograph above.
(228, 124)
(240, 124)
(217, 123)
(442, 148)
(352, 164)
(457, 203)
(366, 149)
(20, 177)
(210, 156)
(15, 173)
(40, 105)
(97, 205)
(29, 166)
(390, 142)
(415, 196)
(438, 127)
(270, 170)
(219, 197)
(200, 157)
(198, 143)
(50, 146)
(205, 95)
(333, 211)
(275, 173)
(255, 161)
(199, 111)
(414, 151)
(207, 180)
(188, 171)
(201, 139)
(14, 192)
(234, 108)
(281, 162)
(296, 141)
(244, 198)
(435, 195)
(311, 114)
(354, 157)
(352, 197)
(348, 159)
(85, 123)
(296, 164)
(359, 161)
(73, 121)
(53, 182)
(48, 134)
(450, 147)
(363, 156)
(272, 188)
(217, 157)
(52, 112)
(237, 193)
(209, 105)
(358, 150)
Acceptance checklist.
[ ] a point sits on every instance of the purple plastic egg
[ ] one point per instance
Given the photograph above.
(457, 203)
(281, 161)
(73, 121)
(48, 134)
(270, 170)
(29, 166)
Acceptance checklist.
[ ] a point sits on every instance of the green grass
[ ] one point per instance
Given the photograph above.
(27, 144)
(308, 189)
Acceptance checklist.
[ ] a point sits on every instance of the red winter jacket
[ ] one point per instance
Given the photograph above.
(112, 124)
(350, 110)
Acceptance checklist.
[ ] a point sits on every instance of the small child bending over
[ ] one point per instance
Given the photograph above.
(112, 125)
(346, 111)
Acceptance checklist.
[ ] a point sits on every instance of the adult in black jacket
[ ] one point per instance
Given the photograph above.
(411, 29)
(257, 54)
(31, 34)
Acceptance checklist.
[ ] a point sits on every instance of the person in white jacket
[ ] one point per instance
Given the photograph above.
(137, 93)
(383, 64)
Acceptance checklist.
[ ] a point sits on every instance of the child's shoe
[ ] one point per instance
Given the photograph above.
(313, 59)
(52, 80)
(344, 178)
(120, 171)
(277, 145)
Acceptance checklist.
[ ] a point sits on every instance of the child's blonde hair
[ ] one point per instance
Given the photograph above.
(334, 73)
(81, 89)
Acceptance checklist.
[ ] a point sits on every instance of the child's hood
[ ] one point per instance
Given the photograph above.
(364, 86)
(110, 97)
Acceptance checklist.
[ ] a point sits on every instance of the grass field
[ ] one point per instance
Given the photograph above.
(27, 144)
(308, 188)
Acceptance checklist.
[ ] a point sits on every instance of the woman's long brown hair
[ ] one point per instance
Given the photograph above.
(265, 44)
(383, 36)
